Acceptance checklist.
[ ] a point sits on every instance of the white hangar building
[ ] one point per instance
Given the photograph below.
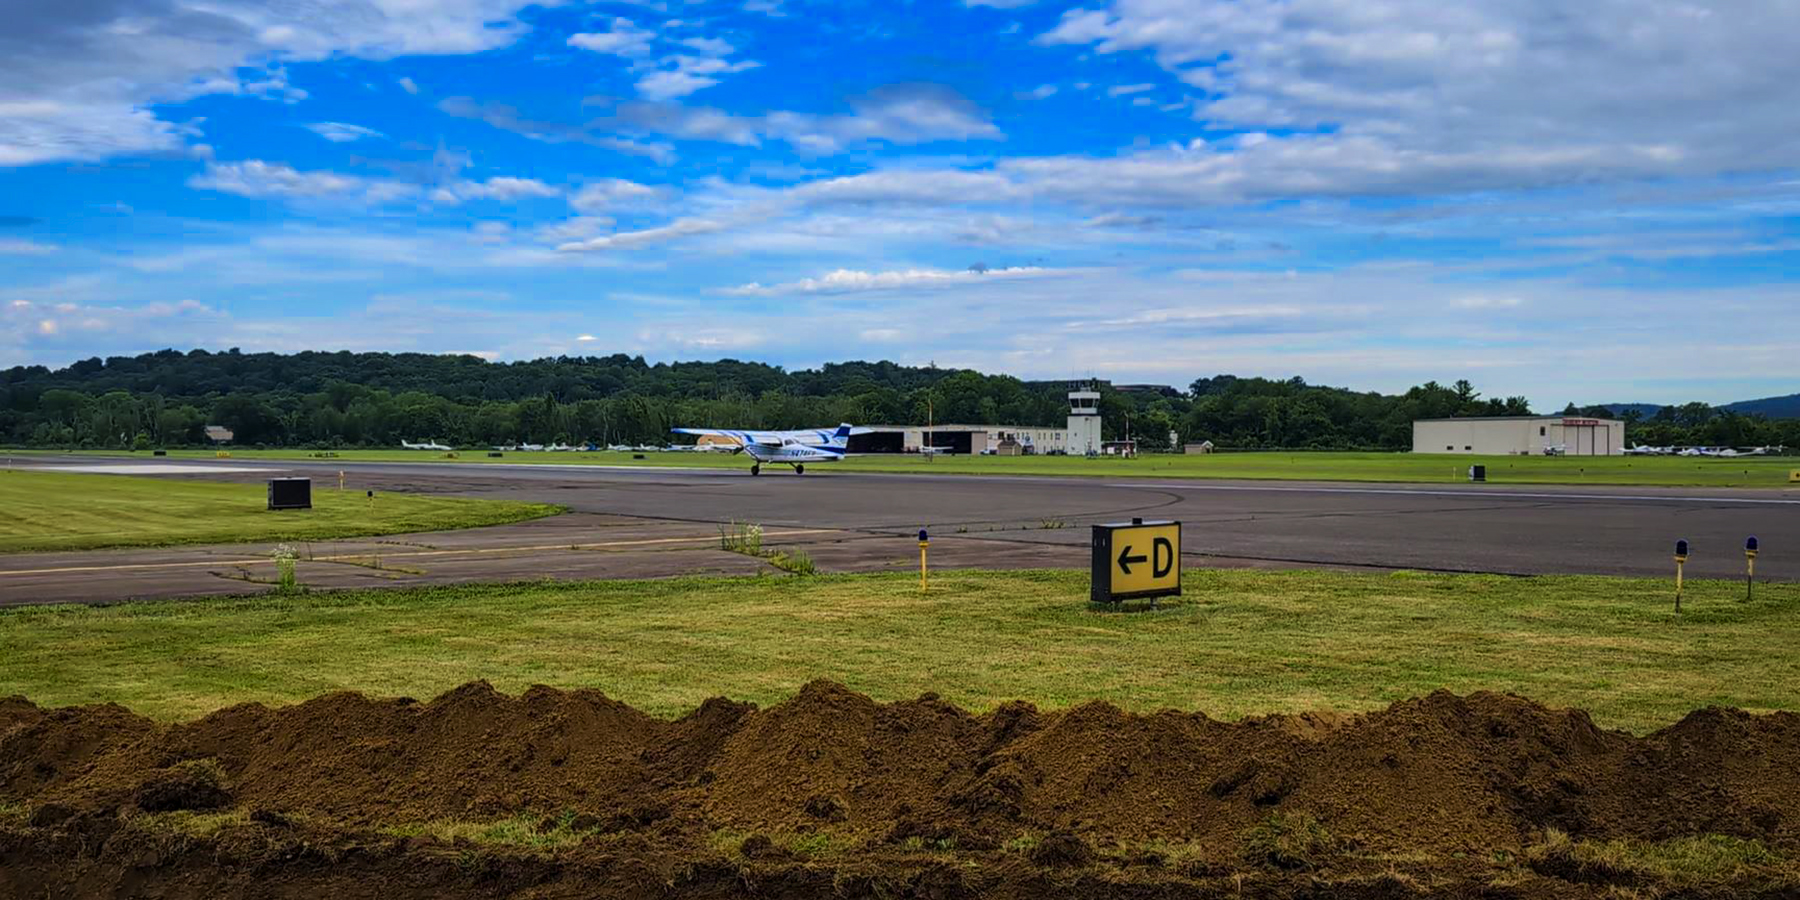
(1520, 436)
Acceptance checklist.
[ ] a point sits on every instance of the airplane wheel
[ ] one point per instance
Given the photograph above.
(756, 470)
(799, 470)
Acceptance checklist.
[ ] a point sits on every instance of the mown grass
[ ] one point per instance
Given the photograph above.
(526, 832)
(78, 511)
(1690, 861)
(1238, 643)
(1324, 466)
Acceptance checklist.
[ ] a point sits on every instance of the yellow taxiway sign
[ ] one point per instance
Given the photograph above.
(1134, 560)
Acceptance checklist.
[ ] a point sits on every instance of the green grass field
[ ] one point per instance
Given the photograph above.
(1767, 472)
(1238, 643)
(71, 511)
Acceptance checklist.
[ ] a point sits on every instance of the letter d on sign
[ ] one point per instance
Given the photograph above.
(1162, 557)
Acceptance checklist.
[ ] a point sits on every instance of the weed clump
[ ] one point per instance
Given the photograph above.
(1692, 861)
(1291, 842)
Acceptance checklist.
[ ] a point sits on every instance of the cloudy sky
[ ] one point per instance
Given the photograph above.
(1595, 201)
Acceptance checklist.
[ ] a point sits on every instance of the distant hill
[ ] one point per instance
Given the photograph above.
(1787, 407)
(1644, 410)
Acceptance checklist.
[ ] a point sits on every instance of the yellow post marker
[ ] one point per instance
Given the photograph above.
(1750, 548)
(1681, 555)
(371, 502)
(924, 544)
(340, 479)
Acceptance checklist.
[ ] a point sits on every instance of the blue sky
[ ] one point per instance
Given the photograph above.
(1589, 203)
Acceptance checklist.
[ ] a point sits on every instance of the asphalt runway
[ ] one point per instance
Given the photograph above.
(651, 522)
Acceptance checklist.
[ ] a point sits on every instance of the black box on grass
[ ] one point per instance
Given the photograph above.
(290, 493)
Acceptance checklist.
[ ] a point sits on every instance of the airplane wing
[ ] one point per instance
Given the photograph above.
(742, 437)
(811, 437)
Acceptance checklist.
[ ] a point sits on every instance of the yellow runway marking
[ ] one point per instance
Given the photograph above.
(403, 554)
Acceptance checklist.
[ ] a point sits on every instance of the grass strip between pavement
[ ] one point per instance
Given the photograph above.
(1238, 643)
(46, 511)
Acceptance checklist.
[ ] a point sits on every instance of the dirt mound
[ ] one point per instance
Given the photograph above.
(1443, 776)
(835, 755)
(43, 750)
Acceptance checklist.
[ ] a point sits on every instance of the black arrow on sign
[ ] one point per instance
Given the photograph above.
(1126, 561)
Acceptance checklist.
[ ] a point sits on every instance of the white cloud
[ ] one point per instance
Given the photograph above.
(408, 85)
(683, 74)
(578, 228)
(256, 178)
(897, 114)
(624, 39)
(902, 114)
(1255, 167)
(1487, 301)
(87, 320)
(708, 46)
(848, 281)
(506, 118)
(1121, 90)
(342, 132)
(273, 85)
(266, 180)
(675, 230)
(13, 247)
(504, 189)
(1422, 96)
(922, 186)
(39, 131)
(700, 63)
(79, 79)
(610, 193)
(586, 338)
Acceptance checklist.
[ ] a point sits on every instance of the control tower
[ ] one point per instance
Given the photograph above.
(1084, 422)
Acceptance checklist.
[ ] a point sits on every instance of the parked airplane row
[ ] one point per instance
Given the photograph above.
(1717, 452)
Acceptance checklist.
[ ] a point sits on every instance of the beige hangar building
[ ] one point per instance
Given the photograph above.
(1520, 436)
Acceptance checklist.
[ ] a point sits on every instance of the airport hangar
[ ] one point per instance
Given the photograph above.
(1520, 436)
(1080, 438)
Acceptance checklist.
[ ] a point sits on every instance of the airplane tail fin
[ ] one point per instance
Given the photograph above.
(842, 435)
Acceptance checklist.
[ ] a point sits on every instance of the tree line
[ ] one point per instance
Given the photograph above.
(341, 399)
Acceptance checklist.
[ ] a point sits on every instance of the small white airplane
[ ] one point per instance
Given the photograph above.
(788, 448)
(426, 446)
(534, 448)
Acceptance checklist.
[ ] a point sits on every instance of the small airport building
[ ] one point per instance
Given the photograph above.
(1004, 440)
(1080, 438)
(1520, 436)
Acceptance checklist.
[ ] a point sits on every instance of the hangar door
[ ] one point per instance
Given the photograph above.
(1586, 438)
(878, 442)
(957, 441)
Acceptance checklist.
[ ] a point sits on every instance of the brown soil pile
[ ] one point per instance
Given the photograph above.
(1441, 777)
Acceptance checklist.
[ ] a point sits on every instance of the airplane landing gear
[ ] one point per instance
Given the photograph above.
(799, 469)
(756, 469)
